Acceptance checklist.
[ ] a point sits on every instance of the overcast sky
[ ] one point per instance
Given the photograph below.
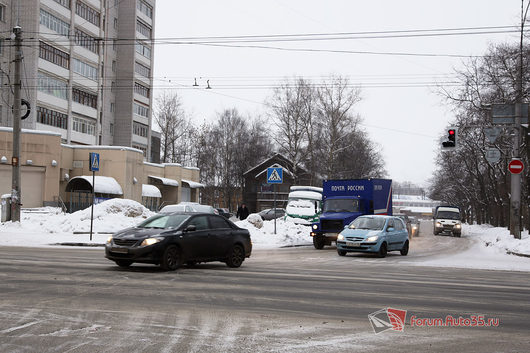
(406, 122)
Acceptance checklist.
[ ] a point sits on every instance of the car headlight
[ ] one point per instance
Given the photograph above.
(149, 241)
(438, 225)
(315, 226)
(372, 238)
(414, 227)
(458, 225)
(340, 237)
(109, 239)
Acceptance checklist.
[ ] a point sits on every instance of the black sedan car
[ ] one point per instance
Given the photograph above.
(172, 239)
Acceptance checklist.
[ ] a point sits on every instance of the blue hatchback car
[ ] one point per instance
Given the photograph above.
(374, 234)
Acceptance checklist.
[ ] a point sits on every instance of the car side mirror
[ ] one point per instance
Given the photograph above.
(191, 228)
(390, 229)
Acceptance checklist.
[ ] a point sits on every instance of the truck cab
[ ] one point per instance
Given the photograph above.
(447, 219)
(344, 201)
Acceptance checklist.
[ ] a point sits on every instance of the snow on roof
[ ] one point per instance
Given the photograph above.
(193, 184)
(154, 164)
(92, 147)
(28, 131)
(150, 191)
(191, 168)
(165, 181)
(275, 165)
(426, 210)
(104, 184)
(301, 194)
(306, 188)
(173, 164)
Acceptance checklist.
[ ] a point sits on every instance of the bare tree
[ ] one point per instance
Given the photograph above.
(291, 110)
(337, 121)
(174, 127)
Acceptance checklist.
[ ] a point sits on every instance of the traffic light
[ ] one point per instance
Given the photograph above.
(450, 142)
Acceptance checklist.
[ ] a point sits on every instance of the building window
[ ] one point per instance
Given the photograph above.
(113, 86)
(84, 126)
(140, 129)
(143, 28)
(85, 98)
(54, 23)
(141, 110)
(2, 12)
(141, 90)
(86, 12)
(52, 86)
(112, 129)
(142, 70)
(85, 69)
(65, 3)
(115, 23)
(86, 41)
(144, 8)
(141, 148)
(54, 55)
(113, 66)
(143, 49)
(112, 107)
(52, 118)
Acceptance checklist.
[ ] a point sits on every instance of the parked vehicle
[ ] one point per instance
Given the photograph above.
(344, 201)
(446, 219)
(374, 234)
(415, 226)
(271, 213)
(171, 239)
(224, 212)
(304, 204)
(188, 207)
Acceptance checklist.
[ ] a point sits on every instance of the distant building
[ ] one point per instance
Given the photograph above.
(258, 194)
(87, 69)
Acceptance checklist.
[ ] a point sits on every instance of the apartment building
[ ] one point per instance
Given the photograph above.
(87, 69)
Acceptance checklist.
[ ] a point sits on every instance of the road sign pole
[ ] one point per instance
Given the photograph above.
(274, 191)
(93, 199)
(16, 192)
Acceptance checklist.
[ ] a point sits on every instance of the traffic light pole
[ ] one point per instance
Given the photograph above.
(15, 160)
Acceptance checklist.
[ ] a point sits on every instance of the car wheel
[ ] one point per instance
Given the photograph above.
(405, 250)
(318, 242)
(236, 257)
(170, 259)
(124, 263)
(341, 252)
(382, 250)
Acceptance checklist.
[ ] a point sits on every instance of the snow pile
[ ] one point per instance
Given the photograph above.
(255, 219)
(287, 234)
(109, 216)
(498, 238)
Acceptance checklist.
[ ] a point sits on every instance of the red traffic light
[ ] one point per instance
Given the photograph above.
(451, 132)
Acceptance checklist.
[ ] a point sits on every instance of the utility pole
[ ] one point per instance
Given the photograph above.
(15, 160)
(515, 201)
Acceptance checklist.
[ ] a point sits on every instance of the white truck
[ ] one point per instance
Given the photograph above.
(304, 204)
(446, 219)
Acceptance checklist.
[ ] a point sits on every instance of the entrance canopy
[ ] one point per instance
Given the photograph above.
(165, 181)
(104, 185)
(193, 184)
(150, 191)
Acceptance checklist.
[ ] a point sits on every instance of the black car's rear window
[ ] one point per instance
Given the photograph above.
(164, 221)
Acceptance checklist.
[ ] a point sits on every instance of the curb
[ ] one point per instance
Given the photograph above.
(517, 254)
(80, 244)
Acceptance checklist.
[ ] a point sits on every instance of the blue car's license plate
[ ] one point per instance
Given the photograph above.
(353, 244)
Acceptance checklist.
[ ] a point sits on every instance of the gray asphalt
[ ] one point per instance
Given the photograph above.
(281, 300)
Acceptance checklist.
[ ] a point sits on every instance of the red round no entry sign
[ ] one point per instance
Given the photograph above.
(516, 166)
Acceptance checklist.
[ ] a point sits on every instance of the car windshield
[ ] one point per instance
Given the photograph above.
(368, 223)
(448, 215)
(164, 221)
(341, 205)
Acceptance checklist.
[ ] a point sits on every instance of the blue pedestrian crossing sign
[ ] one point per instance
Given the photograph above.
(94, 162)
(275, 175)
